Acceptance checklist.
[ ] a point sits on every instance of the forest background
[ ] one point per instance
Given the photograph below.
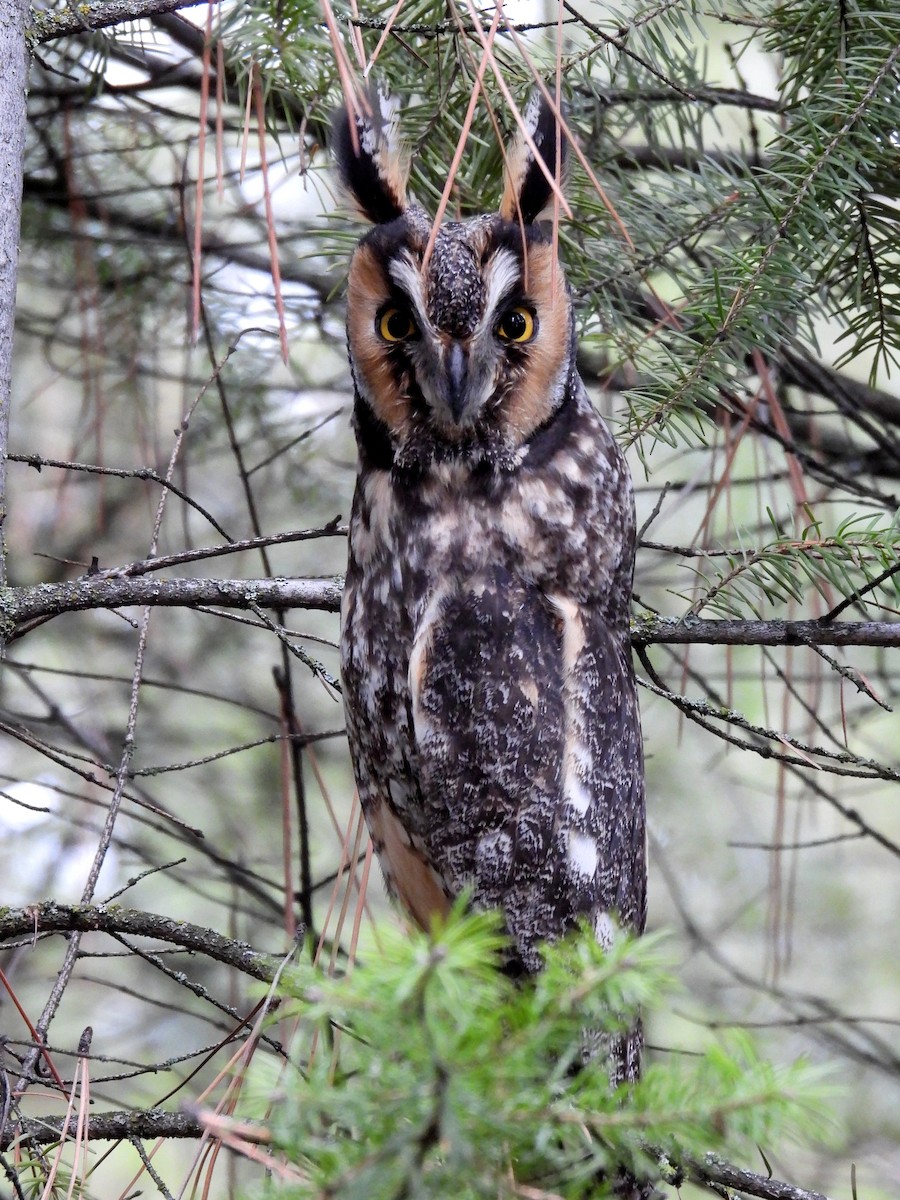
(178, 409)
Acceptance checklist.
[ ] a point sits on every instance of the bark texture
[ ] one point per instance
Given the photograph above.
(14, 15)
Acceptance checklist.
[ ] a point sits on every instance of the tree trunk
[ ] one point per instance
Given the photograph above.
(13, 86)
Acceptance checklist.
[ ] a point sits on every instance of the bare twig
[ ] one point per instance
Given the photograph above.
(38, 462)
(160, 562)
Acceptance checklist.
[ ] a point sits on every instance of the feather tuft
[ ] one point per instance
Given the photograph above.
(527, 189)
(372, 166)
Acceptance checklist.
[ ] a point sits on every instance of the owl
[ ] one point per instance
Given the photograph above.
(490, 698)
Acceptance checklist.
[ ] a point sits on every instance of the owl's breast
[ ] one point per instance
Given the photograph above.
(408, 549)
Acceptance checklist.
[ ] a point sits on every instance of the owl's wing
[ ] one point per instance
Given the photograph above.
(528, 757)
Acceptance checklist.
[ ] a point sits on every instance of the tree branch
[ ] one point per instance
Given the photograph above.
(24, 604)
(154, 1123)
(714, 1170)
(18, 605)
(81, 18)
(49, 917)
(650, 631)
(105, 1127)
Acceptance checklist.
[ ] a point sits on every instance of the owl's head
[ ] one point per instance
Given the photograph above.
(463, 345)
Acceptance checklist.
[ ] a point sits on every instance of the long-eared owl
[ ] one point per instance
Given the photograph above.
(488, 686)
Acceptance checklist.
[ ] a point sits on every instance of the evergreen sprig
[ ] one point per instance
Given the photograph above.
(855, 560)
(447, 1079)
(838, 155)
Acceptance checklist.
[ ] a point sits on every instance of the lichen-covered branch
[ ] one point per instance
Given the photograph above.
(79, 18)
(724, 1175)
(105, 1127)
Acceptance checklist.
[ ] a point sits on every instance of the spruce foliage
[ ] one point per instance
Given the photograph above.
(436, 1076)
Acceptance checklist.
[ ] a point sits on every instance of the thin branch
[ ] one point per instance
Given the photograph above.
(704, 712)
(856, 596)
(160, 561)
(38, 462)
(757, 743)
(150, 1169)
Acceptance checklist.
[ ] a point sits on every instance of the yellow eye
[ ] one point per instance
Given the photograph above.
(516, 325)
(396, 325)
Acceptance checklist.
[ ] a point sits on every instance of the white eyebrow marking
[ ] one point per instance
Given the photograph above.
(501, 275)
(405, 274)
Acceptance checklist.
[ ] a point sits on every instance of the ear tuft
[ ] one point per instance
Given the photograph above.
(372, 167)
(527, 190)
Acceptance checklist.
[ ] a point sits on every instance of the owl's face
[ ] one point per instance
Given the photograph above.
(470, 344)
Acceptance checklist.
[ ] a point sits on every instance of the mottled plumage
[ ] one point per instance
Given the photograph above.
(488, 686)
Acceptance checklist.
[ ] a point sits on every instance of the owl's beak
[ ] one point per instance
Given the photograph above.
(457, 374)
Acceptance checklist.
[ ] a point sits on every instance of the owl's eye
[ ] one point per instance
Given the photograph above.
(516, 325)
(396, 325)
